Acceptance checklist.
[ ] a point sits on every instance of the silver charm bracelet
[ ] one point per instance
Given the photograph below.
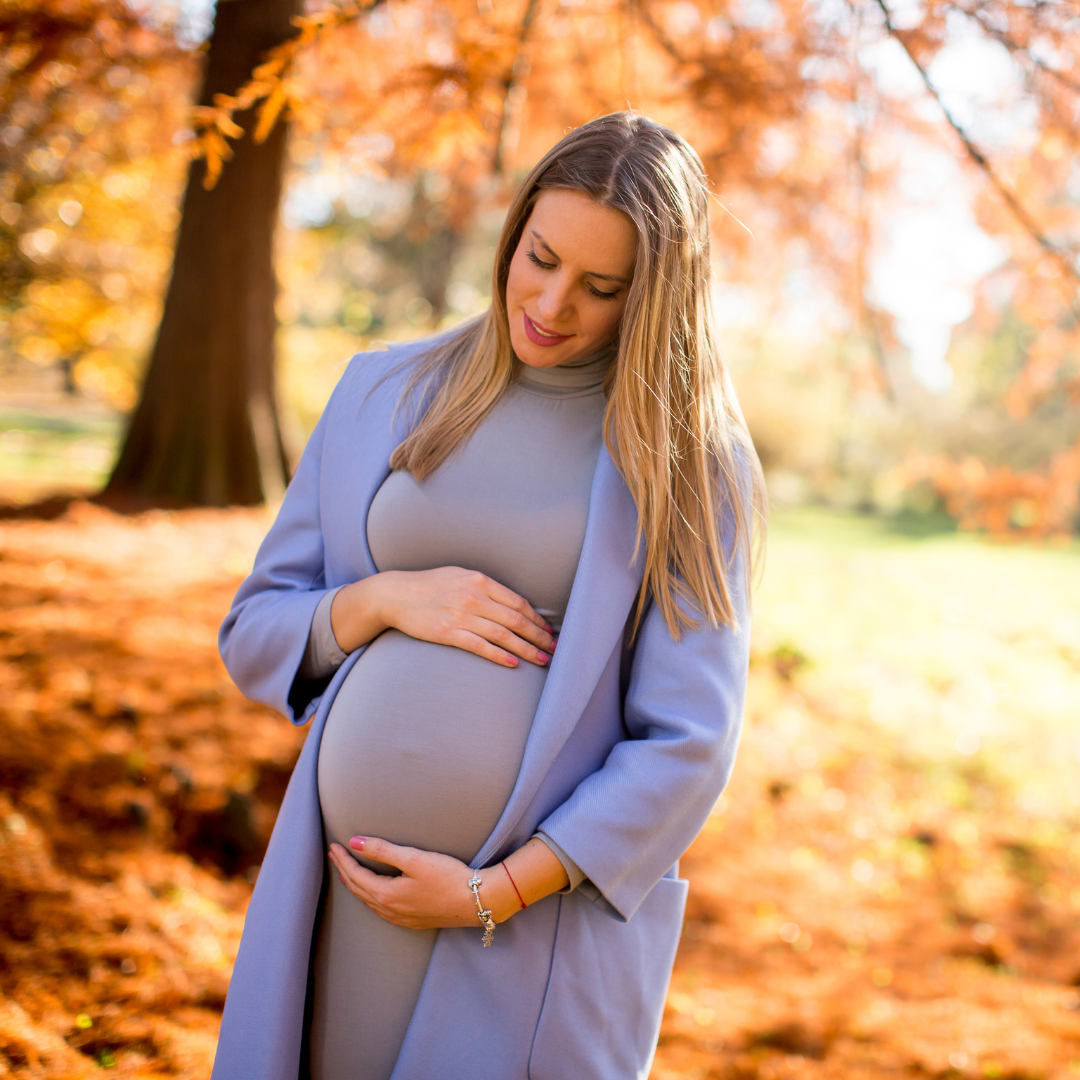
(482, 913)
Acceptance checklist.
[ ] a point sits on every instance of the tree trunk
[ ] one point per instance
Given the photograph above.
(205, 431)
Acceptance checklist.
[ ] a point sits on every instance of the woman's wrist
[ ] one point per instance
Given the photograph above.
(359, 611)
(497, 894)
(526, 876)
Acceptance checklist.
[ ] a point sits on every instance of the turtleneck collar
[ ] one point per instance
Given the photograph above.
(577, 379)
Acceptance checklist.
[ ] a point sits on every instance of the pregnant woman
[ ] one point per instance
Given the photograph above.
(509, 586)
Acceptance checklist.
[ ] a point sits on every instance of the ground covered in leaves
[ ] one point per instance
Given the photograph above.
(890, 886)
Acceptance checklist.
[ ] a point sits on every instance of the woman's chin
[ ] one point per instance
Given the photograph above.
(538, 356)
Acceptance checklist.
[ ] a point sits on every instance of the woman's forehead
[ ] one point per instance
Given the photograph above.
(577, 229)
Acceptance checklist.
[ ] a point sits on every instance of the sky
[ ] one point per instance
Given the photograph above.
(932, 252)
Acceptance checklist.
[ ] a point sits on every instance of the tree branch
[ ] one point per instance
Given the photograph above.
(509, 81)
(215, 124)
(1008, 197)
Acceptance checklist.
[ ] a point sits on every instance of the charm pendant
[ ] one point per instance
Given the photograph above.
(482, 913)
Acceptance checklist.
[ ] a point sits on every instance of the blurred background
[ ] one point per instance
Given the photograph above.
(204, 212)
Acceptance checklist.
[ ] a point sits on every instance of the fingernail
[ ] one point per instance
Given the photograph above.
(549, 629)
(511, 661)
(542, 657)
(341, 878)
(357, 843)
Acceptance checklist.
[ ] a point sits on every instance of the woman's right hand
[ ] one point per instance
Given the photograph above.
(449, 606)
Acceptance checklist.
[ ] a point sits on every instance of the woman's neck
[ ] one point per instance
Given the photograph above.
(576, 379)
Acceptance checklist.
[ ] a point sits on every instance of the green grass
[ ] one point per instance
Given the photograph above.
(960, 648)
(43, 452)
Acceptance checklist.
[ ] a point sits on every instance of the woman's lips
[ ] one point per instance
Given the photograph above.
(539, 337)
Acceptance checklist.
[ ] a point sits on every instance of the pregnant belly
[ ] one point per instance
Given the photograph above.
(423, 745)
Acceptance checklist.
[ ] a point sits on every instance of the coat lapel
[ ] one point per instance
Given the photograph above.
(607, 581)
(364, 451)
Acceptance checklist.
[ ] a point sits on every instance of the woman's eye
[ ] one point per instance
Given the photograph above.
(600, 293)
(534, 258)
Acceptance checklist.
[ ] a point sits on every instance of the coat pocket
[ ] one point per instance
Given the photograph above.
(605, 995)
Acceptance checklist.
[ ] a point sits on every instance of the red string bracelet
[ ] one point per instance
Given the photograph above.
(519, 896)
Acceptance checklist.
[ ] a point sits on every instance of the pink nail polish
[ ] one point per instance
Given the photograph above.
(542, 657)
(549, 629)
(357, 843)
(512, 661)
(341, 878)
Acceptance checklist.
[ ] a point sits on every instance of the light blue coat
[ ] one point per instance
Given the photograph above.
(628, 752)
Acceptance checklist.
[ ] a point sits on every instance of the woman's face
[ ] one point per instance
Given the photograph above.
(569, 278)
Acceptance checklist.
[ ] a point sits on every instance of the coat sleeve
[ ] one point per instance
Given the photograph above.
(628, 823)
(264, 637)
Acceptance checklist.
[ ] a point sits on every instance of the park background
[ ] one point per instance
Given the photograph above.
(204, 214)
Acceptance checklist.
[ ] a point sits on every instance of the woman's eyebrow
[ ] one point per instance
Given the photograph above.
(590, 273)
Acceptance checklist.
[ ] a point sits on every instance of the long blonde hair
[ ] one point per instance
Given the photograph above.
(672, 423)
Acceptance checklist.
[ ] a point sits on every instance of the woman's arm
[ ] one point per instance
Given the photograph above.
(449, 606)
(264, 637)
(433, 891)
(626, 824)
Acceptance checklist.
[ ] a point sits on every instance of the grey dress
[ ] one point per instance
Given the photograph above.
(423, 743)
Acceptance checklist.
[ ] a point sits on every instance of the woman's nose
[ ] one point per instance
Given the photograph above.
(554, 303)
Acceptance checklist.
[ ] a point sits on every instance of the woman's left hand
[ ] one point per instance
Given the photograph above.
(431, 892)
